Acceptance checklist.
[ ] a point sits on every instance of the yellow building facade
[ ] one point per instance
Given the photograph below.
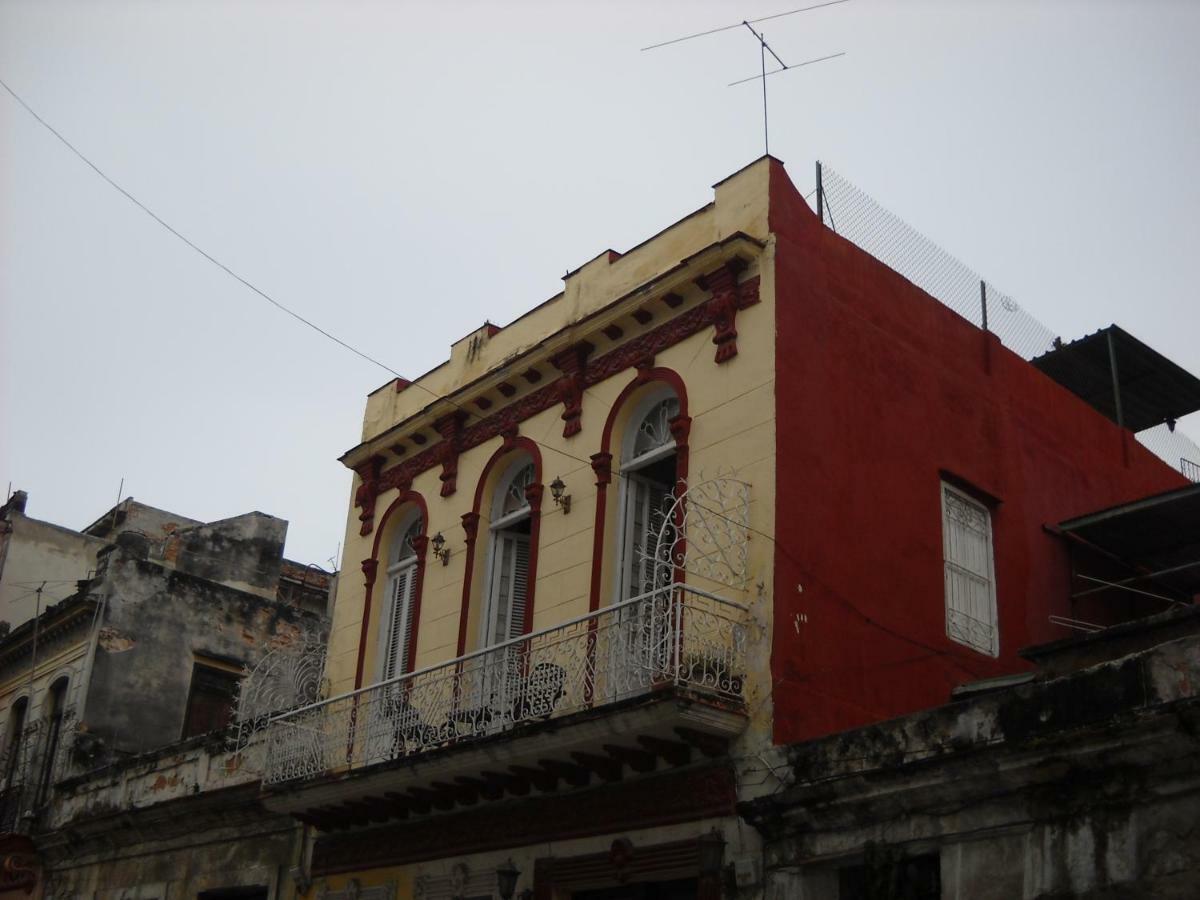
(557, 653)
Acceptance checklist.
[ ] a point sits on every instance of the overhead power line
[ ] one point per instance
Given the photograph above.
(212, 259)
(770, 537)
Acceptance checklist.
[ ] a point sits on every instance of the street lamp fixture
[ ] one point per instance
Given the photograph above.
(556, 491)
(506, 879)
(440, 550)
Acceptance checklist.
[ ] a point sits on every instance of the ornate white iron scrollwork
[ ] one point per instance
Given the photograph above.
(704, 531)
(287, 678)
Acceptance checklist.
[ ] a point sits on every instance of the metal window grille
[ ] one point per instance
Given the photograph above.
(970, 579)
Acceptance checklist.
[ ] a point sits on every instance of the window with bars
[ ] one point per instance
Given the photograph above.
(969, 571)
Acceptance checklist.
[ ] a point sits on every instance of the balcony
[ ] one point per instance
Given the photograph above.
(655, 676)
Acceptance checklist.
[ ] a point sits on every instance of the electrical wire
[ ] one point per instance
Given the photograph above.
(208, 256)
(386, 368)
(212, 259)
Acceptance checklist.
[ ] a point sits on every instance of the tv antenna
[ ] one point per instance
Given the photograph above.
(763, 49)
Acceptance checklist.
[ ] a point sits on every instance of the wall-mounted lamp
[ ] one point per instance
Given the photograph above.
(506, 879)
(560, 499)
(440, 550)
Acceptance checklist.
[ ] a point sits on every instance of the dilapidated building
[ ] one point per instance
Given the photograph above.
(1079, 783)
(117, 699)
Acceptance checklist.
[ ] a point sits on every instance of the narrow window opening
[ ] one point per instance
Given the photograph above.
(211, 700)
(399, 620)
(649, 477)
(54, 719)
(969, 565)
(508, 584)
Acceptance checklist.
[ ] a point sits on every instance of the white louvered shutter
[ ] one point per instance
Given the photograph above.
(509, 586)
(969, 571)
(399, 623)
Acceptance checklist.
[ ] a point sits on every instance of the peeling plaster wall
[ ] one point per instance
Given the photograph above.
(1082, 786)
(245, 552)
(157, 620)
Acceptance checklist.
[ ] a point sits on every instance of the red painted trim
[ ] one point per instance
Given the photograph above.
(634, 352)
(421, 545)
(512, 442)
(602, 461)
(370, 567)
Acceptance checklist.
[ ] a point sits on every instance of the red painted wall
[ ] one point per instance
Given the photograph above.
(881, 388)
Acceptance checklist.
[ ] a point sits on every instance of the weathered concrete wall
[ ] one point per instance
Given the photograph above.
(157, 621)
(167, 826)
(33, 552)
(130, 515)
(1086, 785)
(244, 552)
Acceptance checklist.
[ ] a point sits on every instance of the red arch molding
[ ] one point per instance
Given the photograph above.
(370, 567)
(511, 443)
(602, 461)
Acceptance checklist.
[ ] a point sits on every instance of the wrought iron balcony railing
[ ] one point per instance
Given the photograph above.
(677, 635)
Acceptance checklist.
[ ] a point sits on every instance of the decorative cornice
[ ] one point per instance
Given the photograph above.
(638, 351)
(739, 246)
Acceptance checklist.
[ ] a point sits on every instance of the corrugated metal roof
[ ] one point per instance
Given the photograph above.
(1153, 389)
(1158, 534)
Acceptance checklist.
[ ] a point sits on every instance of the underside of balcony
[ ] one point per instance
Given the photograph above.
(670, 728)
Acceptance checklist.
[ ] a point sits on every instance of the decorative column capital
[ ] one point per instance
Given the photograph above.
(420, 544)
(470, 523)
(681, 429)
(370, 567)
(602, 466)
(533, 493)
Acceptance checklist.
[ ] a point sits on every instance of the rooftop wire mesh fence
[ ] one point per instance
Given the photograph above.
(860, 219)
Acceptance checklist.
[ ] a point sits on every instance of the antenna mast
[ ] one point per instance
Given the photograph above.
(763, 49)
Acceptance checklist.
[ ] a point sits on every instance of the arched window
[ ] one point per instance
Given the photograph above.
(508, 575)
(649, 473)
(398, 616)
(55, 706)
(14, 743)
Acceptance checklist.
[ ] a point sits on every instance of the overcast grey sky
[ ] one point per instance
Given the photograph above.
(401, 172)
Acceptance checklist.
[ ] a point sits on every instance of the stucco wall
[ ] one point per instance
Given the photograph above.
(35, 552)
(881, 390)
(732, 430)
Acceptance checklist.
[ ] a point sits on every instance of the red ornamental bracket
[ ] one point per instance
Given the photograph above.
(602, 466)
(368, 491)
(572, 362)
(450, 428)
(727, 298)
(370, 567)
